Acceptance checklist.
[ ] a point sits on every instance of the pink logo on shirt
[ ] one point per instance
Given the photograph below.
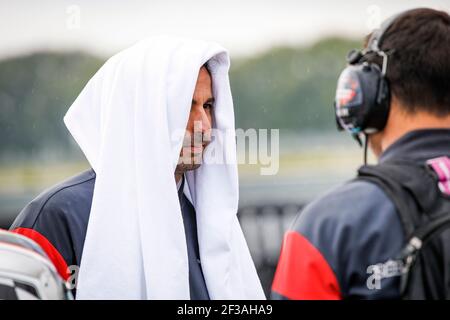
(441, 166)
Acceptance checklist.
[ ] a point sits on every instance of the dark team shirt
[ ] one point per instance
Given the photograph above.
(330, 248)
(57, 219)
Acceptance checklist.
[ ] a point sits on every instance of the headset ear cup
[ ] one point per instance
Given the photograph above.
(338, 123)
(383, 95)
(380, 114)
(375, 109)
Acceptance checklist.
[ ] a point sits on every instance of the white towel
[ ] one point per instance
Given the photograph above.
(124, 121)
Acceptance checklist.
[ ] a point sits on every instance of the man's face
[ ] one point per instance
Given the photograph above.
(198, 129)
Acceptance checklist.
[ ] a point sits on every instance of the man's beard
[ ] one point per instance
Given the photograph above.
(191, 155)
(182, 168)
(190, 159)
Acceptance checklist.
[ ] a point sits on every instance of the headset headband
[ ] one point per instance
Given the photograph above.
(376, 39)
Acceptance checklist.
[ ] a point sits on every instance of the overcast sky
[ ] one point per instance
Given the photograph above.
(104, 27)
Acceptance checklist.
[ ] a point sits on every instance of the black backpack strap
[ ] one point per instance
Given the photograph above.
(404, 187)
(422, 235)
(419, 238)
(415, 193)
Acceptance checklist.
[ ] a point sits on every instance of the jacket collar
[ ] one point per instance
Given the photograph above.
(419, 145)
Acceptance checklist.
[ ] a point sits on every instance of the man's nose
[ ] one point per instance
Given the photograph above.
(201, 121)
(201, 125)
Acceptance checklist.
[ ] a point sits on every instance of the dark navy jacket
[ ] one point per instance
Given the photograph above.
(57, 219)
(330, 246)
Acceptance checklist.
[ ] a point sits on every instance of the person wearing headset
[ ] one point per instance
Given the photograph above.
(385, 234)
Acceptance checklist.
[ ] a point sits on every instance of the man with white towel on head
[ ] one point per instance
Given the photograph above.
(150, 220)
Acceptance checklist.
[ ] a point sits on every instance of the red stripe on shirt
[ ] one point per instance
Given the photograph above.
(303, 273)
(49, 249)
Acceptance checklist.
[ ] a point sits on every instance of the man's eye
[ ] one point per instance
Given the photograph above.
(207, 106)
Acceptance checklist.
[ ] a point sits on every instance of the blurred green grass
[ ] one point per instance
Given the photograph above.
(15, 178)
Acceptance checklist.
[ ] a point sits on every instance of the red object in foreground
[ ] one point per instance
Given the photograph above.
(50, 250)
(303, 273)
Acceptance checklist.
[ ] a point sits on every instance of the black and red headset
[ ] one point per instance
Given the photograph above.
(363, 96)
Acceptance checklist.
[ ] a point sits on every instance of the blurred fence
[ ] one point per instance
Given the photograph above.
(264, 227)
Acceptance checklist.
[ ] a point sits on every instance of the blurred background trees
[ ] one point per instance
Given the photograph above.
(285, 88)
